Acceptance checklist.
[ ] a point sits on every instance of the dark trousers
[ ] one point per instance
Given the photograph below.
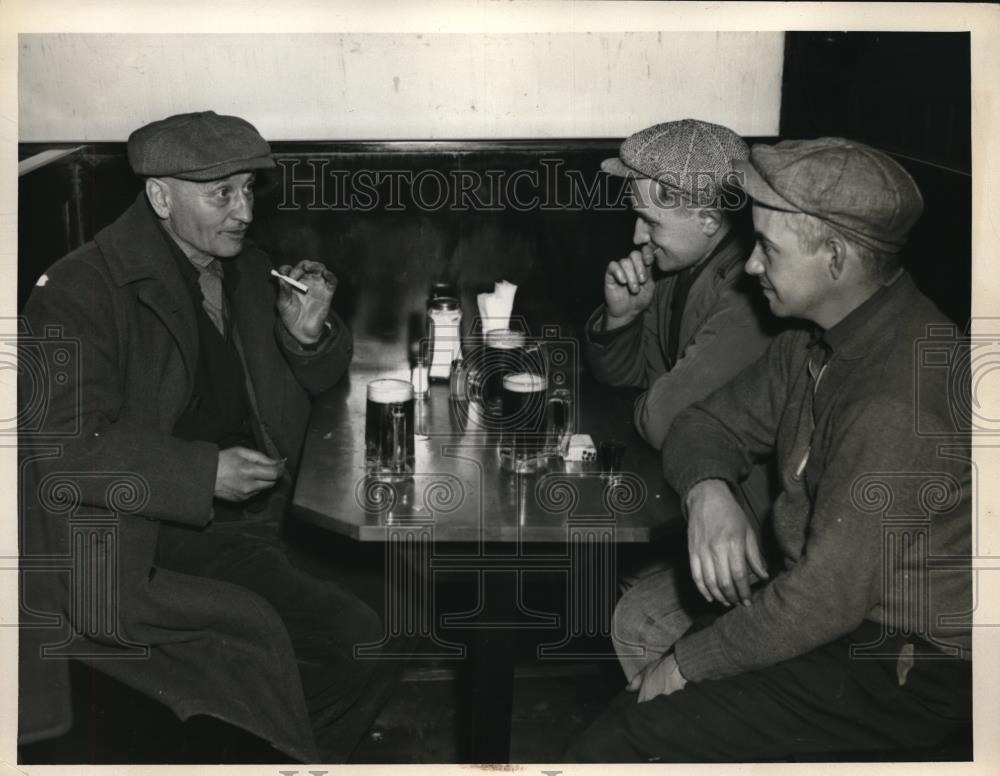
(324, 622)
(823, 701)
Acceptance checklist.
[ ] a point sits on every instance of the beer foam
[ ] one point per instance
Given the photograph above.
(523, 382)
(505, 339)
(389, 391)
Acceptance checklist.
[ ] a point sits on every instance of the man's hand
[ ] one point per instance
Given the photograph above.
(661, 677)
(243, 473)
(721, 544)
(628, 287)
(304, 314)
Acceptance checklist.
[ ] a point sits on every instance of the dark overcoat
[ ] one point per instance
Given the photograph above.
(108, 355)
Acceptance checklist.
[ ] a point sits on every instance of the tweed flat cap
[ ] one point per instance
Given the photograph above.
(856, 189)
(198, 147)
(691, 156)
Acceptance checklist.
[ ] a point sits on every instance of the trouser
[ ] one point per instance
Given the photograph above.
(654, 613)
(324, 622)
(822, 701)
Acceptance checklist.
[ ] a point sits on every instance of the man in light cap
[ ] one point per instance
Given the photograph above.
(851, 643)
(196, 368)
(680, 317)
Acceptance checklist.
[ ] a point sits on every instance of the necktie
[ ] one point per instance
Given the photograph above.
(819, 355)
(816, 363)
(210, 280)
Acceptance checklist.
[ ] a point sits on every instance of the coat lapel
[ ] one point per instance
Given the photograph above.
(247, 318)
(138, 256)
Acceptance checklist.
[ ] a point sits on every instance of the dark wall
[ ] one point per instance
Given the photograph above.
(908, 93)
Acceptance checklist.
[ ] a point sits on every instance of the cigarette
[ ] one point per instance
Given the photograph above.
(293, 283)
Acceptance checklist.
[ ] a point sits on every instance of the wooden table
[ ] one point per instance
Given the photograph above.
(461, 512)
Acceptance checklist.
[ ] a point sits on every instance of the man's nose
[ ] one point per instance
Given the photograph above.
(754, 265)
(641, 234)
(243, 207)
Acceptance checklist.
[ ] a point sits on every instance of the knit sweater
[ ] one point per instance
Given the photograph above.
(875, 486)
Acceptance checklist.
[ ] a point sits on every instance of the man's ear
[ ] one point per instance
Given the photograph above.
(711, 220)
(837, 256)
(158, 194)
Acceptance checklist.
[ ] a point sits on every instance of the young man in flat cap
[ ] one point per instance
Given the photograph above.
(851, 643)
(193, 389)
(680, 317)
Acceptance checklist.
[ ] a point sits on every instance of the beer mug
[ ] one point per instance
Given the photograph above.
(389, 440)
(504, 352)
(531, 419)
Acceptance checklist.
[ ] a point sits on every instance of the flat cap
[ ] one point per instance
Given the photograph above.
(198, 147)
(854, 188)
(692, 156)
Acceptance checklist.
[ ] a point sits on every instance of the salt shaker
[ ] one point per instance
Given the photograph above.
(419, 378)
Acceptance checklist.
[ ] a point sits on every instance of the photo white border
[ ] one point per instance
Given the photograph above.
(233, 16)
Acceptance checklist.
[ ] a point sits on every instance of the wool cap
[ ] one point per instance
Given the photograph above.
(691, 156)
(857, 190)
(198, 147)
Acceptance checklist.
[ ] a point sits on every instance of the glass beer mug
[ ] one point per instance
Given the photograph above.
(389, 433)
(503, 352)
(532, 422)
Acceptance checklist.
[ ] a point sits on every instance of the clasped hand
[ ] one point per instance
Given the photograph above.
(304, 314)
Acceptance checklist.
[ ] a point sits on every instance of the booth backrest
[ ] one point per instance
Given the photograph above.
(392, 218)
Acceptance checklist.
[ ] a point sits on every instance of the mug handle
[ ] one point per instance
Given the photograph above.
(561, 432)
(473, 383)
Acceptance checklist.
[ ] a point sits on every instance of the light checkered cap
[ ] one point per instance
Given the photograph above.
(694, 157)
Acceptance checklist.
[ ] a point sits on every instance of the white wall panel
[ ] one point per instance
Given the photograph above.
(97, 87)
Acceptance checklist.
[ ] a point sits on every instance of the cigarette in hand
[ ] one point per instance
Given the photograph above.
(293, 283)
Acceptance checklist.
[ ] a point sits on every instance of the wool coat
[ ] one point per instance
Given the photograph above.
(110, 348)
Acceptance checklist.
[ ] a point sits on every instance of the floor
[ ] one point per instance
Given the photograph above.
(551, 707)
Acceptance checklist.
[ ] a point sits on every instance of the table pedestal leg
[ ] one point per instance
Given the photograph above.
(489, 680)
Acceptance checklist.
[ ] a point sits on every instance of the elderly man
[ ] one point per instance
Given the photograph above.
(852, 643)
(192, 391)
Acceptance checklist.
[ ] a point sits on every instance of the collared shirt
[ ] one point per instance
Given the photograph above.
(205, 276)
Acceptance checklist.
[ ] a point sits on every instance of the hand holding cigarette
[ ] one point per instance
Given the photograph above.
(293, 283)
(305, 309)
